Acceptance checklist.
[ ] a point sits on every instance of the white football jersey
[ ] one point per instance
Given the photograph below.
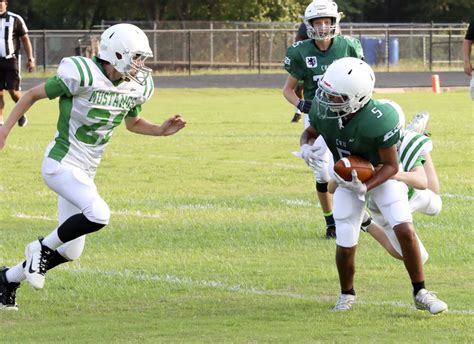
(90, 106)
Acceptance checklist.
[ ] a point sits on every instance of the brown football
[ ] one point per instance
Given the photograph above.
(344, 168)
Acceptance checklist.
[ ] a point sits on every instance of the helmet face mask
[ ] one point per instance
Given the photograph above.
(346, 87)
(136, 70)
(126, 48)
(320, 9)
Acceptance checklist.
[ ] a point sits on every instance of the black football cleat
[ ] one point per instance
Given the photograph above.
(7, 292)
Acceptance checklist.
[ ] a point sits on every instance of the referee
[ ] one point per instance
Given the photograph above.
(12, 30)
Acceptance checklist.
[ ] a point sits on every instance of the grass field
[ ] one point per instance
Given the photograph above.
(216, 235)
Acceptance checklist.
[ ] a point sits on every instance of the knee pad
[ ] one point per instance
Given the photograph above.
(434, 206)
(98, 211)
(348, 212)
(73, 249)
(426, 202)
(396, 213)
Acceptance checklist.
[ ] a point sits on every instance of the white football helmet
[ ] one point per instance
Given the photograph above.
(322, 9)
(345, 87)
(126, 48)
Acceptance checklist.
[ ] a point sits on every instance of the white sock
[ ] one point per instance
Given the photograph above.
(52, 240)
(15, 274)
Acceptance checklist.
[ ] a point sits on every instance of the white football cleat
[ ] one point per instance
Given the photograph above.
(428, 301)
(419, 123)
(344, 303)
(37, 259)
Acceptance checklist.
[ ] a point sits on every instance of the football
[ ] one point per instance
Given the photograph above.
(344, 168)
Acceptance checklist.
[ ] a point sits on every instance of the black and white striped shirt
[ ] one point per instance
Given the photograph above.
(12, 27)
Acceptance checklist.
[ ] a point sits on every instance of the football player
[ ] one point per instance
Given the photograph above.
(307, 61)
(95, 96)
(352, 123)
(419, 174)
(301, 35)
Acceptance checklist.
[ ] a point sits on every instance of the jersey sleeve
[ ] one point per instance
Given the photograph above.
(20, 27)
(470, 31)
(149, 89)
(55, 87)
(134, 111)
(355, 48)
(292, 62)
(72, 74)
(386, 127)
(413, 146)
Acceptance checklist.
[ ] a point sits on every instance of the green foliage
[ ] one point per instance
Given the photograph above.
(215, 234)
(60, 14)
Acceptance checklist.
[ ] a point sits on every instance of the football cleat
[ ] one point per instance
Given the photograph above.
(23, 121)
(37, 260)
(428, 301)
(344, 303)
(7, 292)
(419, 123)
(296, 117)
(330, 232)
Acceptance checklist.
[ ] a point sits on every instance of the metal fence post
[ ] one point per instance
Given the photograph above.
(211, 26)
(449, 48)
(237, 59)
(155, 51)
(189, 52)
(387, 47)
(45, 56)
(259, 55)
(431, 47)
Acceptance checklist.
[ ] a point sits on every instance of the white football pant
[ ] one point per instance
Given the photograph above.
(77, 193)
(390, 197)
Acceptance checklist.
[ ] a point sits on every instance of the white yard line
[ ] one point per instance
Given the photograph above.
(464, 197)
(237, 288)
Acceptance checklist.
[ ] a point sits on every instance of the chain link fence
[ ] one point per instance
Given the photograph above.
(389, 47)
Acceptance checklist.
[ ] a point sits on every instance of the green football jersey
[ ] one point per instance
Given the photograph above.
(375, 126)
(304, 61)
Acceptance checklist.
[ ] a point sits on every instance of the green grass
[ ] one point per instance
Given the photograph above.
(216, 235)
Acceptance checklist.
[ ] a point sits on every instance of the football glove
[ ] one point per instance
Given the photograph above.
(355, 185)
(310, 155)
(304, 105)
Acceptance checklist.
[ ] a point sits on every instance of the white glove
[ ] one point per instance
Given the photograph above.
(355, 185)
(310, 155)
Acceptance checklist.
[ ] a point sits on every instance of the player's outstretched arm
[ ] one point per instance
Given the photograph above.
(416, 178)
(23, 105)
(141, 126)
